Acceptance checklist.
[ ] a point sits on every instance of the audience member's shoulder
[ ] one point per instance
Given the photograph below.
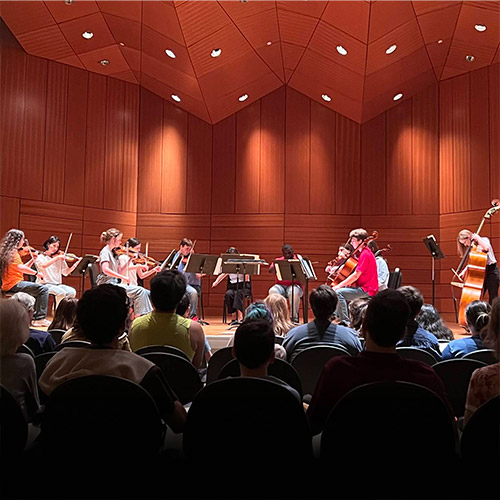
(20, 359)
(347, 330)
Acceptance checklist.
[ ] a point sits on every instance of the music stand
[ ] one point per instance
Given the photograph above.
(310, 274)
(291, 270)
(84, 266)
(436, 253)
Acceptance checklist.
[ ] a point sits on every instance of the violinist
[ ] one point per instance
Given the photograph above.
(111, 272)
(467, 238)
(136, 264)
(362, 282)
(193, 288)
(12, 271)
(52, 266)
(342, 255)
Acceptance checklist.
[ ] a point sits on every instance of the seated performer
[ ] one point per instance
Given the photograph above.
(285, 287)
(238, 287)
(362, 282)
(342, 255)
(52, 267)
(382, 267)
(133, 270)
(193, 280)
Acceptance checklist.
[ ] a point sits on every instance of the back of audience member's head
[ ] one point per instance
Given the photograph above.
(323, 302)
(14, 326)
(491, 338)
(167, 290)
(259, 310)
(357, 309)
(385, 318)
(414, 298)
(102, 312)
(279, 309)
(430, 319)
(183, 305)
(254, 343)
(65, 315)
(28, 301)
(477, 315)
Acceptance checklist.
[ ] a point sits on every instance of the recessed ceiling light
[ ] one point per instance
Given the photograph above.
(269, 43)
(391, 49)
(469, 58)
(170, 53)
(104, 62)
(326, 97)
(176, 98)
(122, 44)
(87, 35)
(440, 41)
(216, 52)
(397, 97)
(480, 27)
(68, 2)
(243, 97)
(341, 50)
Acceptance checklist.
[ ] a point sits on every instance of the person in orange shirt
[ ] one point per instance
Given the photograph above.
(12, 271)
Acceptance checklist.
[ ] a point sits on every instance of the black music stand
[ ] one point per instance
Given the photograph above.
(291, 270)
(84, 266)
(436, 253)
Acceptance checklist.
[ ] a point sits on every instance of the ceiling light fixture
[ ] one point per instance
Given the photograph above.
(216, 52)
(391, 49)
(243, 97)
(341, 50)
(480, 27)
(440, 41)
(397, 97)
(122, 44)
(170, 53)
(68, 2)
(269, 43)
(326, 97)
(104, 62)
(176, 98)
(469, 58)
(87, 35)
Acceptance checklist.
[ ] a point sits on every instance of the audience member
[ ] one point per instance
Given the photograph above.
(383, 326)
(39, 340)
(357, 309)
(163, 326)
(477, 315)
(430, 319)
(415, 335)
(321, 330)
(485, 382)
(18, 373)
(281, 315)
(102, 313)
(254, 350)
(65, 315)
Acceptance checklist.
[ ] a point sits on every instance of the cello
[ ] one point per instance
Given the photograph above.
(474, 262)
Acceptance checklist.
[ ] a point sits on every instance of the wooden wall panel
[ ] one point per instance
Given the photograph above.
(446, 140)
(9, 213)
(494, 115)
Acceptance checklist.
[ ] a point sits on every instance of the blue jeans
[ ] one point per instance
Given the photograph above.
(41, 294)
(192, 291)
(345, 295)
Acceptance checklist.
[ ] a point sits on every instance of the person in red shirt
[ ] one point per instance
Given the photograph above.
(363, 282)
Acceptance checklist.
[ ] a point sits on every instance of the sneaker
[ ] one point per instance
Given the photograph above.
(40, 322)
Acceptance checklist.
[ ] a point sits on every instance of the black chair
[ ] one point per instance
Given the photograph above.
(485, 355)
(278, 339)
(310, 362)
(395, 279)
(57, 334)
(219, 358)
(23, 348)
(280, 369)
(103, 419)
(170, 349)
(181, 375)
(41, 361)
(456, 374)
(416, 354)
(13, 426)
(238, 420)
(480, 441)
(72, 343)
(93, 271)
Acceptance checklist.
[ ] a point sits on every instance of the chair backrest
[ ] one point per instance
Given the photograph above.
(280, 369)
(480, 441)
(93, 270)
(219, 358)
(238, 419)
(170, 349)
(181, 374)
(395, 279)
(278, 339)
(102, 418)
(456, 374)
(13, 426)
(41, 361)
(57, 334)
(72, 343)
(310, 362)
(388, 424)
(23, 348)
(416, 354)
(485, 355)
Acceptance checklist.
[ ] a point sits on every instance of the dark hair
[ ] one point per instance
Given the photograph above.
(414, 298)
(259, 310)
(254, 343)
(232, 250)
(385, 317)
(101, 312)
(133, 242)
(286, 246)
(183, 305)
(323, 302)
(186, 242)
(430, 319)
(357, 309)
(65, 315)
(167, 289)
(372, 245)
(477, 314)
(50, 240)
(347, 246)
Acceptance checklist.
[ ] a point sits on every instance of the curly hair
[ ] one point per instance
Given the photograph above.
(8, 247)
(430, 319)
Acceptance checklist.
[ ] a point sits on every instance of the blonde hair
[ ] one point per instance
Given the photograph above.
(465, 233)
(110, 234)
(279, 307)
(14, 326)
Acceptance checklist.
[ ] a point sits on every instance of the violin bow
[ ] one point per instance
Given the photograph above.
(67, 244)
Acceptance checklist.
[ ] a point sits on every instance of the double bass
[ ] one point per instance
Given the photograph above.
(474, 261)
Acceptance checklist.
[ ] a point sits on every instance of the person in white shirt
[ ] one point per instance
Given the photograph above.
(382, 267)
(133, 270)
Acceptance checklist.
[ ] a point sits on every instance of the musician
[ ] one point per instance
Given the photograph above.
(465, 239)
(112, 273)
(132, 270)
(52, 266)
(382, 267)
(284, 287)
(193, 288)
(342, 255)
(362, 282)
(12, 271)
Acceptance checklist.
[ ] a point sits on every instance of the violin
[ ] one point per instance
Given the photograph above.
(70, 257)
(145, 260)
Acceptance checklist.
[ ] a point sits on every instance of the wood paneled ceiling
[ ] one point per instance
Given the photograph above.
(264, 45)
